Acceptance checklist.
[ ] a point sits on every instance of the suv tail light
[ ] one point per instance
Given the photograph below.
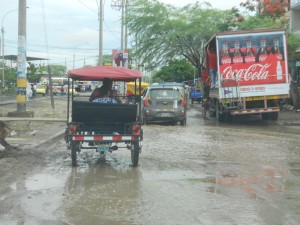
(147, 102)
(182, 102)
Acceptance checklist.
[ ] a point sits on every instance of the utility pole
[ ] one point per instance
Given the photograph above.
(21, 62)
(126, 31)
(101, 33)
(122, 27)
(123, 6)
(21, 65)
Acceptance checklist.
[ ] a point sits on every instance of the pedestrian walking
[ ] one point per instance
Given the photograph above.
(34, 90)
(205, 106)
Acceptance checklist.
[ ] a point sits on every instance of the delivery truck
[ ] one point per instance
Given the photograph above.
(251, 73)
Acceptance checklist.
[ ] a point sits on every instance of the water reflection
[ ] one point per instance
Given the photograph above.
(107, 191)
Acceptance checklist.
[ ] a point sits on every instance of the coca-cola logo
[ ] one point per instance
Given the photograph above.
(254, 72)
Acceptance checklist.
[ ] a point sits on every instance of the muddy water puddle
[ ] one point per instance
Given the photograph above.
(204, 173)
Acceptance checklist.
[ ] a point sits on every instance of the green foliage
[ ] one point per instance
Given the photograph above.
(58, 70)
(164, 33)
(293, 41)
(175, 71)
(258, 22)
(10, 77)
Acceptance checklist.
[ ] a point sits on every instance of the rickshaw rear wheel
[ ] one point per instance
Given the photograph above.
(135, 153)
(74, 149)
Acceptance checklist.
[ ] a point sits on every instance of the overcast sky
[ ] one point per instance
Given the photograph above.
(66, 31)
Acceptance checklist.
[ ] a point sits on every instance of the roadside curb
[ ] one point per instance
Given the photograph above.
(32, 119)
(289, 123)
(49, 140)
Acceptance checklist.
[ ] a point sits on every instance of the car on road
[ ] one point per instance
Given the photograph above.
(195, 95)
(164, 103)
(40, 89)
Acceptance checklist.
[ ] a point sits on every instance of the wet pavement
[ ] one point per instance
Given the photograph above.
(245, 172)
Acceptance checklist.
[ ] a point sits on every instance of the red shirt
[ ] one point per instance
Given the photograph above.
(204, 76)
(212, 60)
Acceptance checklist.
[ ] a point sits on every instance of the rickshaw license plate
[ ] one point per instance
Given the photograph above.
(103, 148)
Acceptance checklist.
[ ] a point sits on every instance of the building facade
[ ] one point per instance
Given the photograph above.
(295, 16)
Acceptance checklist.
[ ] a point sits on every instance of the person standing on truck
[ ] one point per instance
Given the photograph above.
(212, 64)
(205, 106)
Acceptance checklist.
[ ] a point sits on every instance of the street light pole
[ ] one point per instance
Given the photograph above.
(2, 45)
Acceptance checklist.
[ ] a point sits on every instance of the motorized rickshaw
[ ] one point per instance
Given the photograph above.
(133, 90)
(104, 127)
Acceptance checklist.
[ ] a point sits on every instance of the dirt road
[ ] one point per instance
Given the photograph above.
(246, 172)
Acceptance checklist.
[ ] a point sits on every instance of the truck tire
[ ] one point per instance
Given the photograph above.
(183, 122)
(219, 115)
(212, 108)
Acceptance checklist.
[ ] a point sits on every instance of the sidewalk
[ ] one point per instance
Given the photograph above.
(47, 125)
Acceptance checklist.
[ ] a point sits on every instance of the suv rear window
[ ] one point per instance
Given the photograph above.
(164, 94)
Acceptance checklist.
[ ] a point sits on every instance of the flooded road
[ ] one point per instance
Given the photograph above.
(245, 172)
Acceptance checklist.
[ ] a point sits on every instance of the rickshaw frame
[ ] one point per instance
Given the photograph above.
(103, 126)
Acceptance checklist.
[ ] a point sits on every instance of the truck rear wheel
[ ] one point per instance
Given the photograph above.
(212, 108)
(219, 115)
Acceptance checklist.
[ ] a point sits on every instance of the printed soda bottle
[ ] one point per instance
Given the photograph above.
(262, 52)
(249, 54)
(276, 49)
(279, 71)
(225, 55)
(237, 54)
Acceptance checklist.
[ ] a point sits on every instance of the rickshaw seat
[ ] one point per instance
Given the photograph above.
(91, 112)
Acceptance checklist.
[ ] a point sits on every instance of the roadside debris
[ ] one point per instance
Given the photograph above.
(4, 131)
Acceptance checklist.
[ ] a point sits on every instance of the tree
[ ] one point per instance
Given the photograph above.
(270, 14)
(106, 59)
(273, 8)
(175, 71)
(58, 70)
(164, 33)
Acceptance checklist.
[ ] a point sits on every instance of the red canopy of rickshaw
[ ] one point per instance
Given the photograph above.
(98, 73)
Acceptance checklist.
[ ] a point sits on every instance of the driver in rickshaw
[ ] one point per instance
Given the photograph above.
(105, 94)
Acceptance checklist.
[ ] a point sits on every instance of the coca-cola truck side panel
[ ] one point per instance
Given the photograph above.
(252, 73)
